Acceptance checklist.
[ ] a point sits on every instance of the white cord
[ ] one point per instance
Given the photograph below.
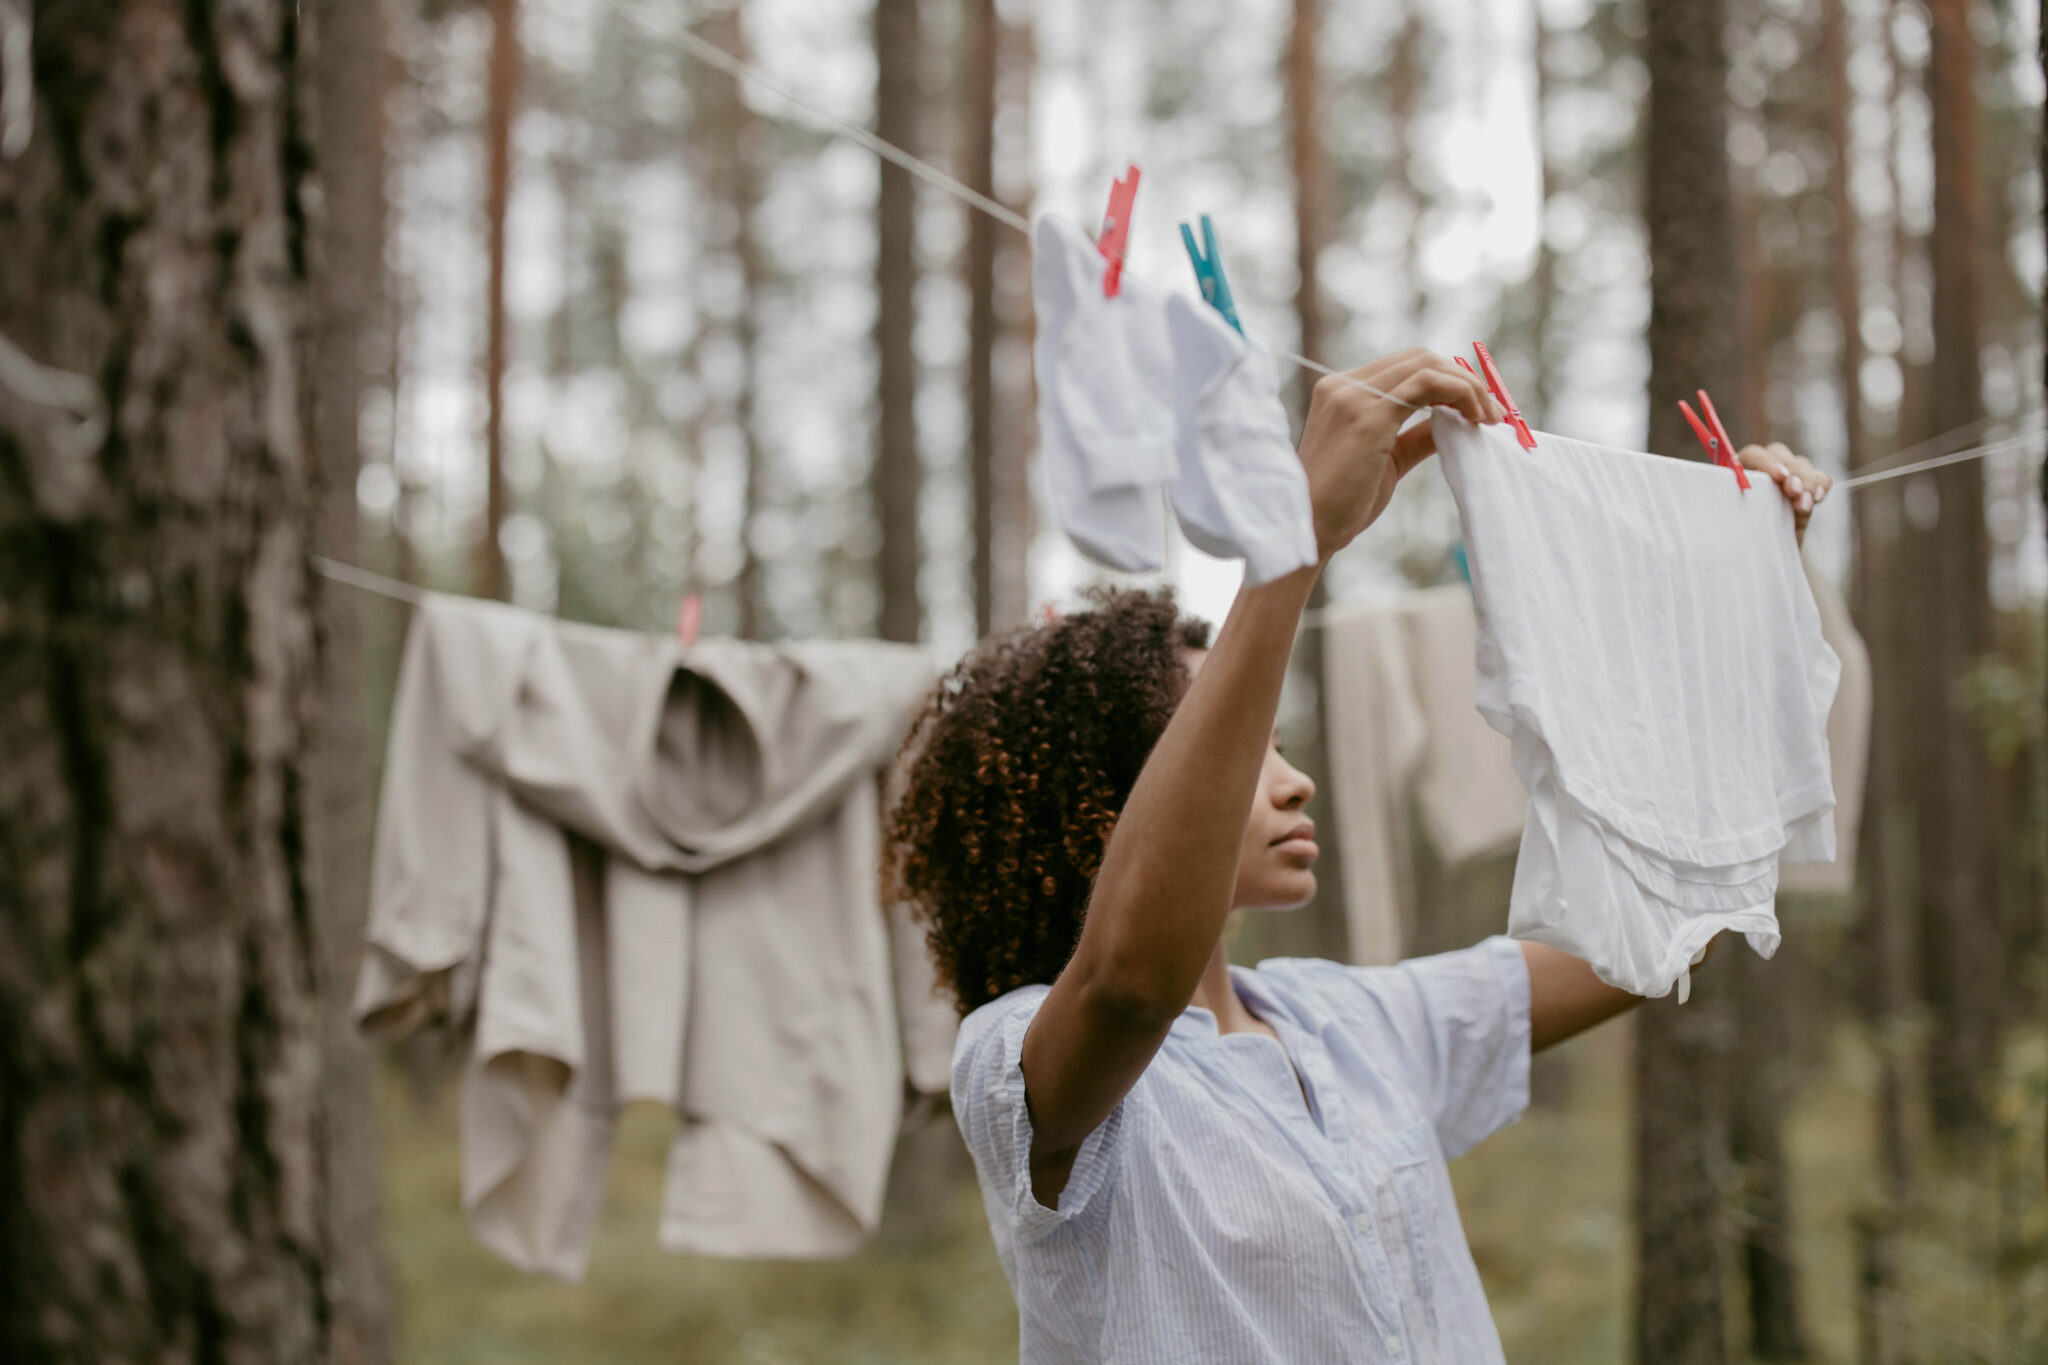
(713, 55)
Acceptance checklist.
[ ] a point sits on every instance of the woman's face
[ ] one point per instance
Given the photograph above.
(1276, 867)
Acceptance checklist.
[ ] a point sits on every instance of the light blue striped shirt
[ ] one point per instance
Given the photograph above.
(1216, 1216)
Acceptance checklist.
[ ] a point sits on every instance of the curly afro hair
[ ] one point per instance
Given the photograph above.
(1013, 776)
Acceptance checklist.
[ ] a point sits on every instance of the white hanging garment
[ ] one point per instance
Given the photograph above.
(1649, 645)
(1105, 401)
(1241, 491)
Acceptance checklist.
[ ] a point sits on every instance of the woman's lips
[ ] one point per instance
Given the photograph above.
(1300, 839)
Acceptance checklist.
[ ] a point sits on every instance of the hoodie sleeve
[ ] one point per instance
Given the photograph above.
(430, 868)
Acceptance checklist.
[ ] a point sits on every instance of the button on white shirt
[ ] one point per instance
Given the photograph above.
(1253, 1203)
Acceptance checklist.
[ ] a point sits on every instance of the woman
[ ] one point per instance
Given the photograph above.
(1182, 1160)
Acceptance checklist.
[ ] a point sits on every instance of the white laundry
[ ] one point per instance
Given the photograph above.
(636, 871)
(1648, 643)
(1241, 491)
(1105, 401)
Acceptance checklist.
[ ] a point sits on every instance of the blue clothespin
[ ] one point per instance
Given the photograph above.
(1209, 272)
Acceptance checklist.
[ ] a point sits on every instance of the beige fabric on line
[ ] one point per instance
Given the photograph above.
(1848, 746)
(1402, 687)
(1376, 741)
(1471, 801)
(639, 871)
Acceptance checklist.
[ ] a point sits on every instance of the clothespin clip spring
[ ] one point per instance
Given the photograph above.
(1714, 437)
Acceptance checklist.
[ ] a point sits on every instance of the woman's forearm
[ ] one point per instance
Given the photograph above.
(1167, 876)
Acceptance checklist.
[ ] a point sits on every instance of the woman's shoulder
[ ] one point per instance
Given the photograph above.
(1318, 990)
(992, 1035)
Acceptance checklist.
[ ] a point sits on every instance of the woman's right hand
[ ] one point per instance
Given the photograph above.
(1352, 445)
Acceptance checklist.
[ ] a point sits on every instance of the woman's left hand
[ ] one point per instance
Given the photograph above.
(1804, 486)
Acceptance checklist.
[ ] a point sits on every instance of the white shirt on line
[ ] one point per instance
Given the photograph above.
(1221, 1214)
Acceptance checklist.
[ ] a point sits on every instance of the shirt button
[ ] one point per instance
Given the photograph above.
(1360, 1221)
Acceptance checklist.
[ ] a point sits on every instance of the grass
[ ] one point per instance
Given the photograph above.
(1546, 1206)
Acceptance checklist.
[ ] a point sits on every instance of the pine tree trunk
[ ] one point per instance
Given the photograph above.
(162, 1184)
(504, 95)
(348, 304)
(1016, 401)
(1318, 929)
(1949, 621)
(898, 478)
(1680, 1109)
(1759, 1089)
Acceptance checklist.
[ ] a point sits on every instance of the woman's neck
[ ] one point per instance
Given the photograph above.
(1218, 996)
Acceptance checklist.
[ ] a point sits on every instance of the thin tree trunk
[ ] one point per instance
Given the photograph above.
(504, 95)
(730, 127)
(1884, 872)
(1680, 1118)
(898, 478)
(162, 1181)
(1318, 929)
(983, 67)
(1949, 610)
(348, 301)
(1544, 279)
(1844, 282)
(1016, 432)
(1759, 1088)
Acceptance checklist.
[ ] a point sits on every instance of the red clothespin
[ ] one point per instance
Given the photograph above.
(1049, 613)
(1714, 437)
(689, 616)
(1467, 365)
(1116, 230)
(1500, 391)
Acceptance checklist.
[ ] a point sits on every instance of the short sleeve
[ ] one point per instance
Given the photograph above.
(1457, 1025)
(988, 1104)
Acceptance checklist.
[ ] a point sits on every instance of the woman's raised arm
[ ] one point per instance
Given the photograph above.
(1170, 867)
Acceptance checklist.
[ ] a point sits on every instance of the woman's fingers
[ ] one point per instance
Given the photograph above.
(1414, 445)
(1430, 380)
(1798, 478)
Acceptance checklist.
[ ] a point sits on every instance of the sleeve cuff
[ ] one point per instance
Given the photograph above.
(1093, 1164)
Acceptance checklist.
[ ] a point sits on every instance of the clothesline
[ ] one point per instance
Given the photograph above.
(713, 55)
(1313, 619)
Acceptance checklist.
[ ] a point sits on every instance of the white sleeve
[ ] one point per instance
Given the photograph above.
(988, 1104)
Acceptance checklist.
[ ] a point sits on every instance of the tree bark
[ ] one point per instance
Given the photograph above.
(1949, 620)
(504, 95)
(1844, 283)
(898, 477)
(162, 1182)
(1318, 929)
(1759, 1090)
(348, 311)
(1680, 1110)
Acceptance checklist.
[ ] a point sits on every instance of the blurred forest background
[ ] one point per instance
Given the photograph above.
(521, 299)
